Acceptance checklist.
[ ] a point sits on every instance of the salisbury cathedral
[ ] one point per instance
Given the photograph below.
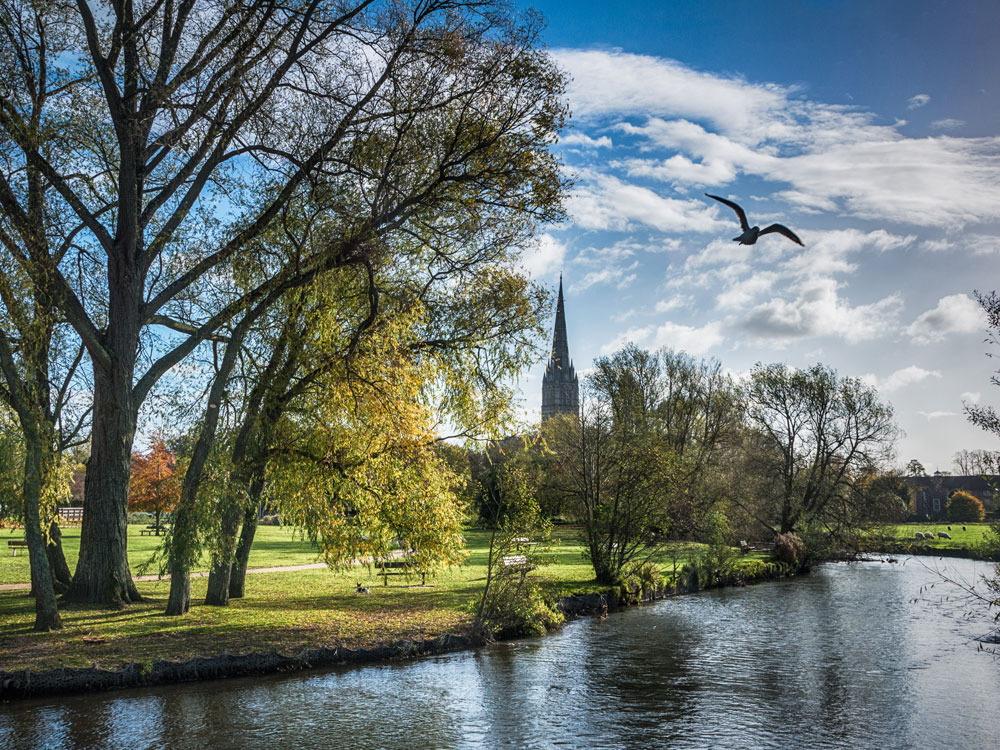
(560, 384)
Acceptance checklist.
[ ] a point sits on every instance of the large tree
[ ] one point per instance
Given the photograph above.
(205, 120)
(613, 463)
(816, 440)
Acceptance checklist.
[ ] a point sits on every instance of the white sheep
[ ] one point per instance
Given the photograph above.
(919, 535)
(944, 534)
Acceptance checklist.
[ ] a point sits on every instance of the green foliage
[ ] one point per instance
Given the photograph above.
(816, 441)
(642, 580)
(11, 468)
(511, 602)
(720, 556)
(964, 508)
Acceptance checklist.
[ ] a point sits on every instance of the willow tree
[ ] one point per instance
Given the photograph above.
(459, 343)
(39, 356)
(204, 119)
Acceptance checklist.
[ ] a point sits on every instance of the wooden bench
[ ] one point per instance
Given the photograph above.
(16, 544)
(152, 530)
(388, 568)
(69, 515)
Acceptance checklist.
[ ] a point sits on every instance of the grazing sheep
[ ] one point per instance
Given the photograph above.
(964, 528)
(949, 528)
(944, 534)
(919, 535)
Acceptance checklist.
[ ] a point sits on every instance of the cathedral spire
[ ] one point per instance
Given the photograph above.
(560, 385)
(560, 344)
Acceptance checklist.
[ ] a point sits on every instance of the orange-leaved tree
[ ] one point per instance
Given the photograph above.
(964, 507)
(154, 485)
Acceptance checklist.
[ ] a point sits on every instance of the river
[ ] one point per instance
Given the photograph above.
(857, 655)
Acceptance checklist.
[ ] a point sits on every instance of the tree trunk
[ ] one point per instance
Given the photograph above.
(222, 567)
(184, 547)
(102, 573)
(61, 575)
(238, 577)
(46, 610)
(179, 600)
(183, 543)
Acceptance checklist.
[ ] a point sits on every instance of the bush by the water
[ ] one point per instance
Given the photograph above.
(141, 517)
(789, 549)
(642, 581)
(964, 508)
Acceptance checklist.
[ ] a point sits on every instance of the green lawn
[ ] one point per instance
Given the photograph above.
(273, 546)
(285, 611)
(972, 537)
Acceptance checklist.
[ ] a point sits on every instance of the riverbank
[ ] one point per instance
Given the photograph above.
(290, 621)
(27, 683)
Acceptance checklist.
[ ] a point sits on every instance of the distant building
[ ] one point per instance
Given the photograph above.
(560, 384)
(929, 495)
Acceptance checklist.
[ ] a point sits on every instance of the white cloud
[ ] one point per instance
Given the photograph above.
(688, 338)
(743, 293)
(828, 157)
(937, 414)
(920, 100)
(968, 243)
(900, 378)
(672, 303)
(631, 336)
(602, 201)
(820, 311)
(828, 253)
(614, 82)
(971, 396)
(948, 123)
(956, 313)
(547, 257)
(576, 138)
(620, 276)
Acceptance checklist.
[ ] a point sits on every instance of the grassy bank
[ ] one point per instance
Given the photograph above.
(284, 611)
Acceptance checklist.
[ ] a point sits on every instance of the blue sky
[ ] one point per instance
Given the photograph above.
(871, 129)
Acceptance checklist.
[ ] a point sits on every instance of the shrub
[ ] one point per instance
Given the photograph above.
(141, 517)
(964, 508)
(719, 557)
(271, 520)
(789, 549)
(643, 578)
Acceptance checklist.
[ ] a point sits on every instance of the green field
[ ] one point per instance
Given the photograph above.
(972, 538)
(286, 611)
(273, 546)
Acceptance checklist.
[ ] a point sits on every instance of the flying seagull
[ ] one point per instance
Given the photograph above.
(750, 234)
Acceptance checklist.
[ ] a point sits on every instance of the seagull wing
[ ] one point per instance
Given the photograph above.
(782, 229)
(739, 211)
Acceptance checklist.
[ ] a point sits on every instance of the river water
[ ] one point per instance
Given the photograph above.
(857, 655)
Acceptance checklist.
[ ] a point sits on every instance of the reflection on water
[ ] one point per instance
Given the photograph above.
(842, 658)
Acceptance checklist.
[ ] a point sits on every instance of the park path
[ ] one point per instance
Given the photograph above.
(204, 573)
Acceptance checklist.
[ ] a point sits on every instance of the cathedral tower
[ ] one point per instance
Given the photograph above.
(560, 385)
